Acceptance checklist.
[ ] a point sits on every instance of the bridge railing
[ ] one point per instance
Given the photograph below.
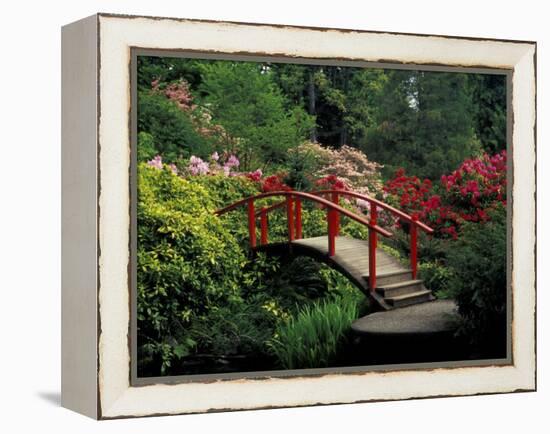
(293, 202)
(374, 205)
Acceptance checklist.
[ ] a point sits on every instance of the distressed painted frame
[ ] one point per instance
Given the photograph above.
(96, 212)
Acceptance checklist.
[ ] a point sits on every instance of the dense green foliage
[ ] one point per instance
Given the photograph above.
(489, 108)
(199, 292)
(478, 259)
(427, 122)
(172, 129)
(312, 338)
(243, 98)
(188, 263)
(423, 122)
(436, 277)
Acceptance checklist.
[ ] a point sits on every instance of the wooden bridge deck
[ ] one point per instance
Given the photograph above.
(353, 255)
(395, 286)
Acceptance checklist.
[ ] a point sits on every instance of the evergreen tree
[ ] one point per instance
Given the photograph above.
(489, 97)
(243, 97)
(424, 123)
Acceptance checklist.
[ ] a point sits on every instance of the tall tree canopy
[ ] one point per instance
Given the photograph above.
(243, 97)
(425, 122)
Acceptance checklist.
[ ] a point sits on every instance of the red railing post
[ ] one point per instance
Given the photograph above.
(263, 226)
(335, 200)
(374, 222)
(331, 220)
(251, 223)
(414, 236)
(290, 217)
(298, 217)
(373, 242)
(372, 259)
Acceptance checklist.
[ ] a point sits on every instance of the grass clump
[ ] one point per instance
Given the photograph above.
(311, 339)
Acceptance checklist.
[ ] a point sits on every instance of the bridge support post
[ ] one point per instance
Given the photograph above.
(263, 226)
(372, 259)
(290, 217)
(336, 200)
(332, 230)
(251, 224)
(298, 217)
(373, 242)
(414, 242)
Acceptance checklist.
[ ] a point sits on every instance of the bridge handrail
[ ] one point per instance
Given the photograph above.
(380, 204)
(402, 215)
(309, 196)
(334, 210)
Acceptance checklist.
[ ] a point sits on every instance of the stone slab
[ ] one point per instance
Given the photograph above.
(435, 317)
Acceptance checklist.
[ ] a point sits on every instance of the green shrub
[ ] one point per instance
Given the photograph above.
(313, 337)
(429, 248)
(478, 259)
(172, 129)
(245, 100)
(236, 328)
(436, 278)
(339, 286)
(188, 263)
(146, 147)
(225, 190)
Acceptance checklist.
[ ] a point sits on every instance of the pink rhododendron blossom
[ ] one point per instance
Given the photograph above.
(232, 161)
(255, 176)
(363, 204)
(156, 162)
(477, 186)
(197, 166)
(215, 156)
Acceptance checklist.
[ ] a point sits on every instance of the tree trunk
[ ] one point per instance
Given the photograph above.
(311, 102)
(343, 135)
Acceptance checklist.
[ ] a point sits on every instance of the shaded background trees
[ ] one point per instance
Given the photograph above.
(425, 122)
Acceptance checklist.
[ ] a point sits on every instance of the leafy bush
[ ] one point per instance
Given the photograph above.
(146, 147)
(436, 278)
(174, 134)
(188, 263)
(478, 259)
(313, 337)
(235, 328)
(245, 100)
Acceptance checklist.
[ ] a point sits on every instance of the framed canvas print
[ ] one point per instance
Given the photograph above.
(262, 216)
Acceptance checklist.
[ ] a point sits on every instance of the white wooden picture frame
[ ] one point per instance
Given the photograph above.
(96, 140)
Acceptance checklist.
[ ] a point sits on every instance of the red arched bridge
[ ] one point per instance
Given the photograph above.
(381, 276)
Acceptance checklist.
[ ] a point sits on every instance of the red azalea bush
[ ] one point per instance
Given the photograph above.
(273, 183)
(467, 194)
(331, 182)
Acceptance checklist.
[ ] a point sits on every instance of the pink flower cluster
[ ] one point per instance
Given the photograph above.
(197, 166)
(255, 176)
(478, 180)
(157, 163)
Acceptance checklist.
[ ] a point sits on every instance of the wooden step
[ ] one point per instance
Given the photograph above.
(390, 278)
(400, 288)
(408, 299)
